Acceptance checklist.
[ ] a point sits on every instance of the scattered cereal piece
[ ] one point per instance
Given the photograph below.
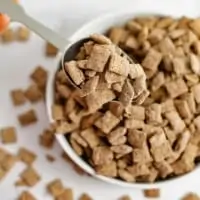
(47, 138)
(51, 50)
(18, 97)
(25, 195)
(23, 34)
(191, 196)
(55, 187)
(8, 35)
(8, 135)
(66, 195)
(126, 197)
(30, 176)
(27, 118)
(26, 156)
(33, 93)
(152, 193)
(85, 197)
(50, 158)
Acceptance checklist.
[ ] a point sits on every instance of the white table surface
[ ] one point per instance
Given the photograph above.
(18, 60)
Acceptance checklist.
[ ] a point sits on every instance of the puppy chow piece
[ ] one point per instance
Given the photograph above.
(151, 62)
(18, 97)
(116, 108)
(100, 39)
(167, 106)
(109, 170)
(57, 112)
(138, 170)
(125, 175)
(156, 35)
(107, 122)
(158, 81)
(179, 65)
(176, 88)
(116, 137)
(164, 168)
(175, 121)
(26, 156)
(170, 134)
(112, 77)
(122, 149)
(153, 114)
(117, 35)
(166, 46)
(27, 118)
(135, 112)
(137, 138)
(55, 187)
(131, 43)
(183, 109)
(30, 176)
(33, 93)
(51, 50)
(8, 135)
(23, 33)
(134, 124)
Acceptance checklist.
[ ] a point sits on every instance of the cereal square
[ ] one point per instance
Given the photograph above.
(30, 176)
(98, 58)
(23, 34)
(196, 91)
(47, 139)
(85, 197)
(8, 135)
(8, 35)
(107, 122)
(18, 97)
(66, 195)
(26, 156)
(8, 162)
(33, 93)
(2, 173)
(27, 118)
(26, 195)
(51, 50)
(57, 112)
(55, 187)
(152, 193)
(136, 112)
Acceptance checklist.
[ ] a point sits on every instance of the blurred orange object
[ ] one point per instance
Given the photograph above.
(5, 20)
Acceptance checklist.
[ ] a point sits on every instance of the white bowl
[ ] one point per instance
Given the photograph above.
(101, 25)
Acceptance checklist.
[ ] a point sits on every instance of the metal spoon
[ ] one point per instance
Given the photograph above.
(17, 13)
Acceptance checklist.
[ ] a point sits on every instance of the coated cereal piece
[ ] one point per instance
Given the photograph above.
(133, 26)
(85, 197)
(196, 91)
(126, 197)
(102, 155)
(51, 50)
(166, 46)
(142, 155)
(112, 77)
(122, 149)
(119, 65)
(197, 122)
(153, 114)
(74, 72)
(192, 79)
(157, 81)
(131, 43)
(55, 187)
(98, 58)
(179, 65)
(156, 35)
(116, 108)
(136, 112)
(176, 87)
(30, 176)
(76, 147)
(26, 156)
(57, 112)
(152, 176)
(100, 39)
(135, 71)
(116, 137)
(127, 93)
(160, 147)
(27, 118)
(109, 170)
(8, 135)
(8, 162)
(194, 63)
(175, 121)
(137, 138)
(167, 106)
(170, 134)
(90, 73)
(67, 194)
(90, 137)
(134, 124)
(26, 195)
(63, 90)
(177, 33)
(39, 76)
(23, 33)
(117, 35)
(125, 175)
(18, 97)
(96, 99)
(79, 139)
(152, 193)
(107, 122)
(191, 196)
(164, 168)
(8, 35)
(151, 62)
(89, 86)
(139, 170)
(65, 127)
(141, 98)
(33, 93)
(195, 26)
(183, 108)
(2, 173)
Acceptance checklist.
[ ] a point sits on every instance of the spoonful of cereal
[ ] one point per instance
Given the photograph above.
(91, 64)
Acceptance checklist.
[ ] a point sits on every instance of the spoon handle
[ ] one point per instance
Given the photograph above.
(17, 13)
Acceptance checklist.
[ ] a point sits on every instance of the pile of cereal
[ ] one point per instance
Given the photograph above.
(141, 143)
(100, 65)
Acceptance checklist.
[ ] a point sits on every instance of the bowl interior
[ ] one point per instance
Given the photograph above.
(101, 25)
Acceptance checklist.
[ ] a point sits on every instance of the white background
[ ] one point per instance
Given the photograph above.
(17, 60)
